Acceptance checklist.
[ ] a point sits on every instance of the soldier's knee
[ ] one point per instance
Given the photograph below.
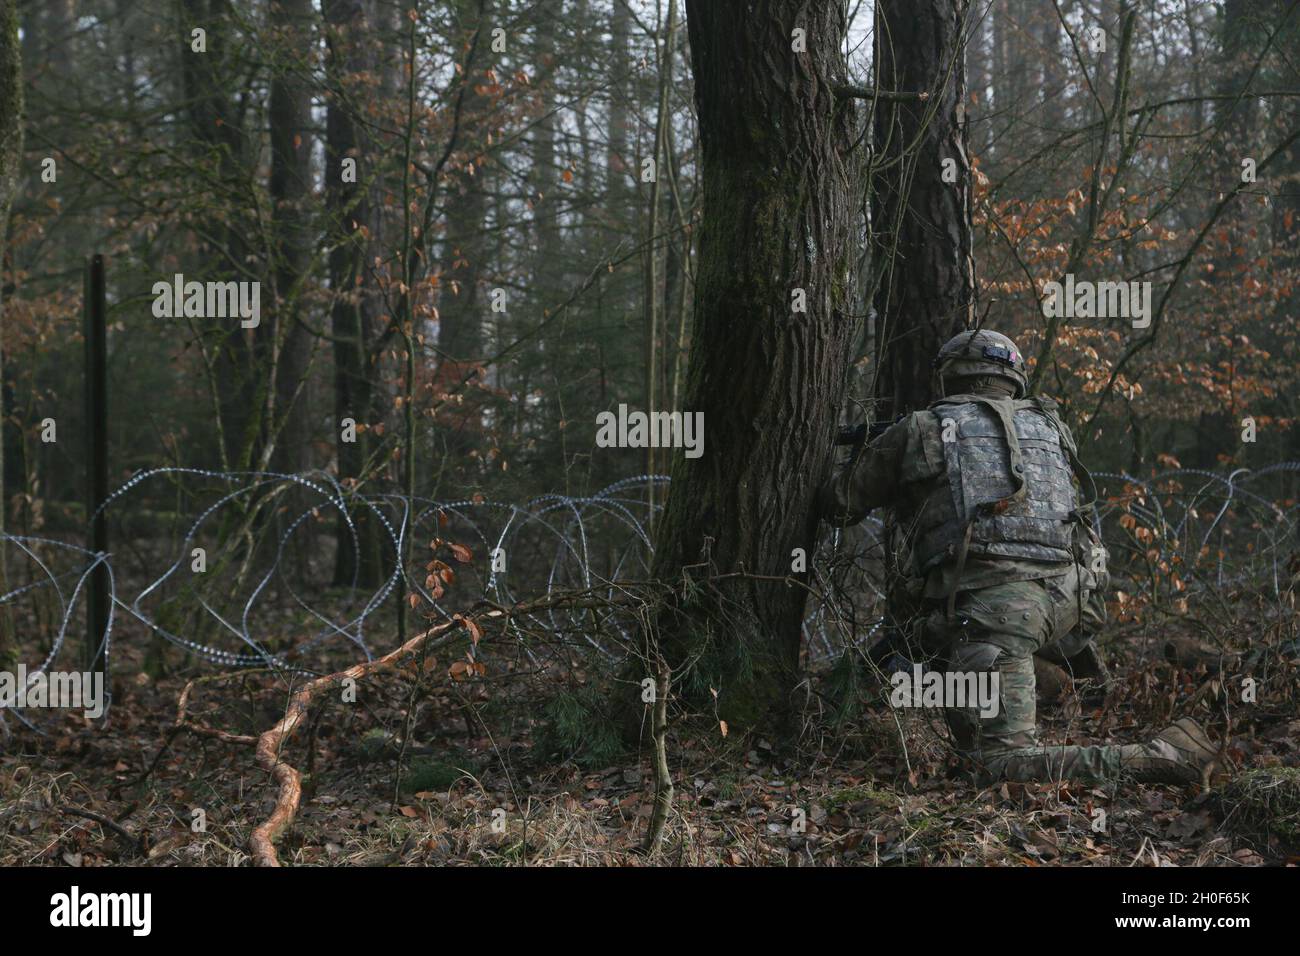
(974, 669)
(1002, 717)
(975, 656)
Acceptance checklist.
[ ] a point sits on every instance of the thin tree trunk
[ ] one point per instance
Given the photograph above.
(352, 316)
(617, 157)
(290, 189)
(1238, 116)
(461, 303)
(653, 296)
(11, 152)
(215, 129)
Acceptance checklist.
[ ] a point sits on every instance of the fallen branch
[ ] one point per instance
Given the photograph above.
(184, 722)
(262, 841)
(289, 780)
(134, 842)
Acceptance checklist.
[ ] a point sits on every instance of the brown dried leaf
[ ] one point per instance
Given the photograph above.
(475, 632)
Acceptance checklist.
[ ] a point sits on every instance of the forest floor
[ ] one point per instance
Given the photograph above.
(482, 781)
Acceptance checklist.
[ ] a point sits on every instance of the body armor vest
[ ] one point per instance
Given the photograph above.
(1006, 480)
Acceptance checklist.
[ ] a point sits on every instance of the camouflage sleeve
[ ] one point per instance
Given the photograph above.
(867, 481)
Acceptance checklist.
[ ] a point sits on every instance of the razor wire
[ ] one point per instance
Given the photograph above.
(1202, 529)
(259, 607)
(546, 545)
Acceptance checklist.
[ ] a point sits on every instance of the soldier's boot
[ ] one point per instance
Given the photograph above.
(1182, 753)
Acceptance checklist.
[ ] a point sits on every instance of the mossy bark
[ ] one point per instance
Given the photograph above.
(770, 347)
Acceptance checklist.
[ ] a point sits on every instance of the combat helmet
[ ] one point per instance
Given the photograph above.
(982, 352)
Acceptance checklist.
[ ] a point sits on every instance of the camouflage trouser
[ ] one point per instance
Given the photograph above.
(996, 630)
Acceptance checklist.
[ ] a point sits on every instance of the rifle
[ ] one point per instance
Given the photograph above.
(863, 432)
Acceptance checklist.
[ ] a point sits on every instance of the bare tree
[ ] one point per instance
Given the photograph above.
(11, 152)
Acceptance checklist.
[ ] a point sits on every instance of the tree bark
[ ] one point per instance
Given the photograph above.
(290, 188)
(654, 295)
(216, 132)
(545, 176)
(1238, 115)
(921, 214)
(777, 215)
(11, 153)
(922, 222)
(619, 74)
(352, 314)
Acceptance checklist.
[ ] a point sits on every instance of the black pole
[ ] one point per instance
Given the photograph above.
(96, 457)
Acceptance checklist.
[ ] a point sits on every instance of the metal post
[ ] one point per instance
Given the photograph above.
(96, 393)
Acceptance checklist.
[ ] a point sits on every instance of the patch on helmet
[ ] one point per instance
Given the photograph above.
(1001, 354)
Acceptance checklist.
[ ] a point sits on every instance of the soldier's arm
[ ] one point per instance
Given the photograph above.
(868, 481)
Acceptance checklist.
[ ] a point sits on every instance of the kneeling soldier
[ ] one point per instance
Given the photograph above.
(982, 486)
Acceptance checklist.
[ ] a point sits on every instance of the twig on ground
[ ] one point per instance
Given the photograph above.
(136, 843)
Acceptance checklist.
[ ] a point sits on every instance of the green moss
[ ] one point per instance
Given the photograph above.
(751, 688)
(851, 795)
(373, 743)
(429, 774)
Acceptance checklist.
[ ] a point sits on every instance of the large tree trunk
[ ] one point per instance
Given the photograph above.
(1284, 228)
(11, 152)
(921, 221)
(777, 214)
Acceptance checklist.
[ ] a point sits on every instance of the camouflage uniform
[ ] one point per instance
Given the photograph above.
(981, 487)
